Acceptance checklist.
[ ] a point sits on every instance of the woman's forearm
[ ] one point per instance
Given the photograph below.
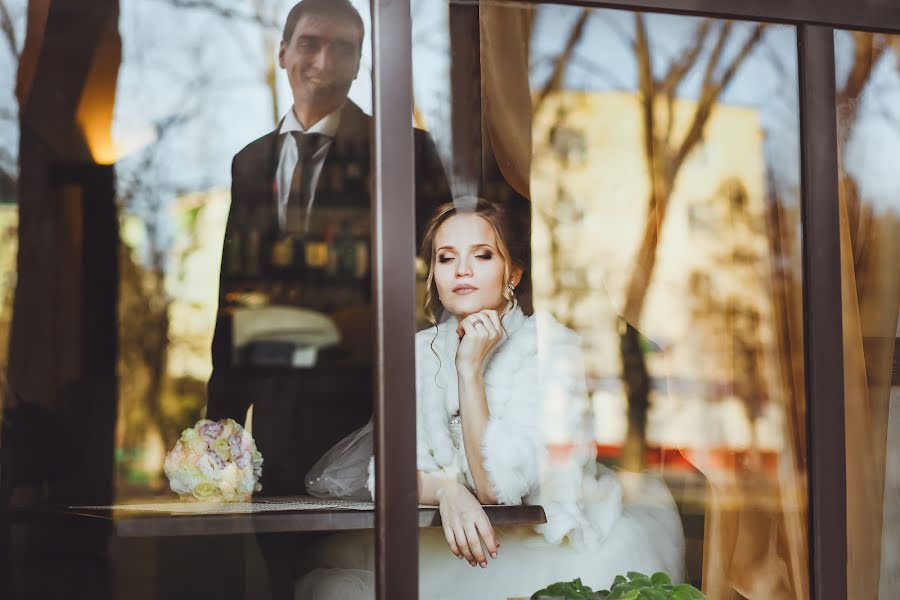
(431, 487)
(474, 413)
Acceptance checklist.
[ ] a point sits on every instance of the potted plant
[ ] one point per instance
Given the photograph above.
(633, 586)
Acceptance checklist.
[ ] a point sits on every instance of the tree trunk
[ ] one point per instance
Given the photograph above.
(637, 389)
(635, 377)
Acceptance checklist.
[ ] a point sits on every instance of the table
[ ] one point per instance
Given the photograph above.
(265, 515)
(173, 537)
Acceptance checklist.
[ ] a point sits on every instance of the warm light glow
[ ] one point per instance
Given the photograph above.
(98, 98)
(108, 146)
(95, 126)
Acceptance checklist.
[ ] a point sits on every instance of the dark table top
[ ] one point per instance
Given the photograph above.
(169, 517)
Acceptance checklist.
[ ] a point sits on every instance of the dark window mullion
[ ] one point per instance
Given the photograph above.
(393, 243)
(822, 331)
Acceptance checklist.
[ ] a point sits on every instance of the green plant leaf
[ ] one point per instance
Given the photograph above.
(616, 594)
(653, 594)
(636, 586)
(568, 590)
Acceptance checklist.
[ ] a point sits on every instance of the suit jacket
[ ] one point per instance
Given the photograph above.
(301, 412)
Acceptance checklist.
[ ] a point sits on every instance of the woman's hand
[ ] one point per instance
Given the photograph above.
(478, 334)
(464, 520)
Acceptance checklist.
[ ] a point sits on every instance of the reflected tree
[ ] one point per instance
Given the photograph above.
(665, 152)
(144, 196)
(8, 114)
(726, 315)
(10, 26)
(715, 51)
(868, 51)
(264, 15)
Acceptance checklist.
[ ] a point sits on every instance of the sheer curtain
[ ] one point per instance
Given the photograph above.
(868, 132)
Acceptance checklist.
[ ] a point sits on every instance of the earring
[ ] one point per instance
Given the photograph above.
(511, 288)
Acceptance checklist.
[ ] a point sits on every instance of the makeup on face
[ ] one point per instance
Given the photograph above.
(468, 269)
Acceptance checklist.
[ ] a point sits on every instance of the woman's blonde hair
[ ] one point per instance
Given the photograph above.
(496, 218)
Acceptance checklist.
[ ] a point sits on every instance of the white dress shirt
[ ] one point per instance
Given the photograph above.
(287, 160)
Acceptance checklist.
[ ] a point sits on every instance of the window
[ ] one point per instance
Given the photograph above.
(701, 204)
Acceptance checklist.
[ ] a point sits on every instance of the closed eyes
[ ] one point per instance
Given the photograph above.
(445, 259)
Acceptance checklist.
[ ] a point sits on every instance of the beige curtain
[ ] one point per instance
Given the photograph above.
(871, 297)
(759, 552)
(505, 93)
(755, 533)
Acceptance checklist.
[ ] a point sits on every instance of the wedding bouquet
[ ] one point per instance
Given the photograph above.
(214, 461)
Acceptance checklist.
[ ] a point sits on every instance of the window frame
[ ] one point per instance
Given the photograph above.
(393, 245)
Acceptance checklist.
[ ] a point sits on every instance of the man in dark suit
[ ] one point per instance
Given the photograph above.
(293, 332)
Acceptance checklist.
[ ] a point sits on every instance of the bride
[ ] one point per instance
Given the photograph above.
(502, 418)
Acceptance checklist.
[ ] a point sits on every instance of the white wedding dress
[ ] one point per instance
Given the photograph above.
(599, 524)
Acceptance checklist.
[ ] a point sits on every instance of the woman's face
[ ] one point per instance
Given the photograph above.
(468, 269)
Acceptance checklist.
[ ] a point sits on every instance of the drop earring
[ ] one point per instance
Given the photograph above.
(513, 302)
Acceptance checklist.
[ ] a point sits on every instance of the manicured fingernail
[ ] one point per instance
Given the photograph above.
(493, 555)
(484, 565)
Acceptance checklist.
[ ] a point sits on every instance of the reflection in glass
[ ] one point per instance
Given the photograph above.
(129, 220)
(869, 138)
(660, 168)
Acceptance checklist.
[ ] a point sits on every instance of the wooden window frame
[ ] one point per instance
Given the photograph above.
(393, 247)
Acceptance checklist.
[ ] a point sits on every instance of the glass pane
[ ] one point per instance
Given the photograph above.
(868, 90)
(185, 234)
(641, 173)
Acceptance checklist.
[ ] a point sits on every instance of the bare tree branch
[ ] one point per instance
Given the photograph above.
(223, 11)
(663, 163)
(868, 50)
(594, 68)
(559, 69)
(670, 115)
(742, 55)
(716, 54)
(681, 67)
(710, 95)
(9, 31)
(787, 103)
(616, 29)
(646, 85)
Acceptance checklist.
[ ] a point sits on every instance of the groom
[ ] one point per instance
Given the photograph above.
(293, 330)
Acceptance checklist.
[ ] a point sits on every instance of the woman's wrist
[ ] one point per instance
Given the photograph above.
(444, 488)
(468, 373)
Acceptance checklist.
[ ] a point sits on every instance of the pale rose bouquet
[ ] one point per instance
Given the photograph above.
(214, 461)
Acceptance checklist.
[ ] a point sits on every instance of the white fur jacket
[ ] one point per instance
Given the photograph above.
(538, 445)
